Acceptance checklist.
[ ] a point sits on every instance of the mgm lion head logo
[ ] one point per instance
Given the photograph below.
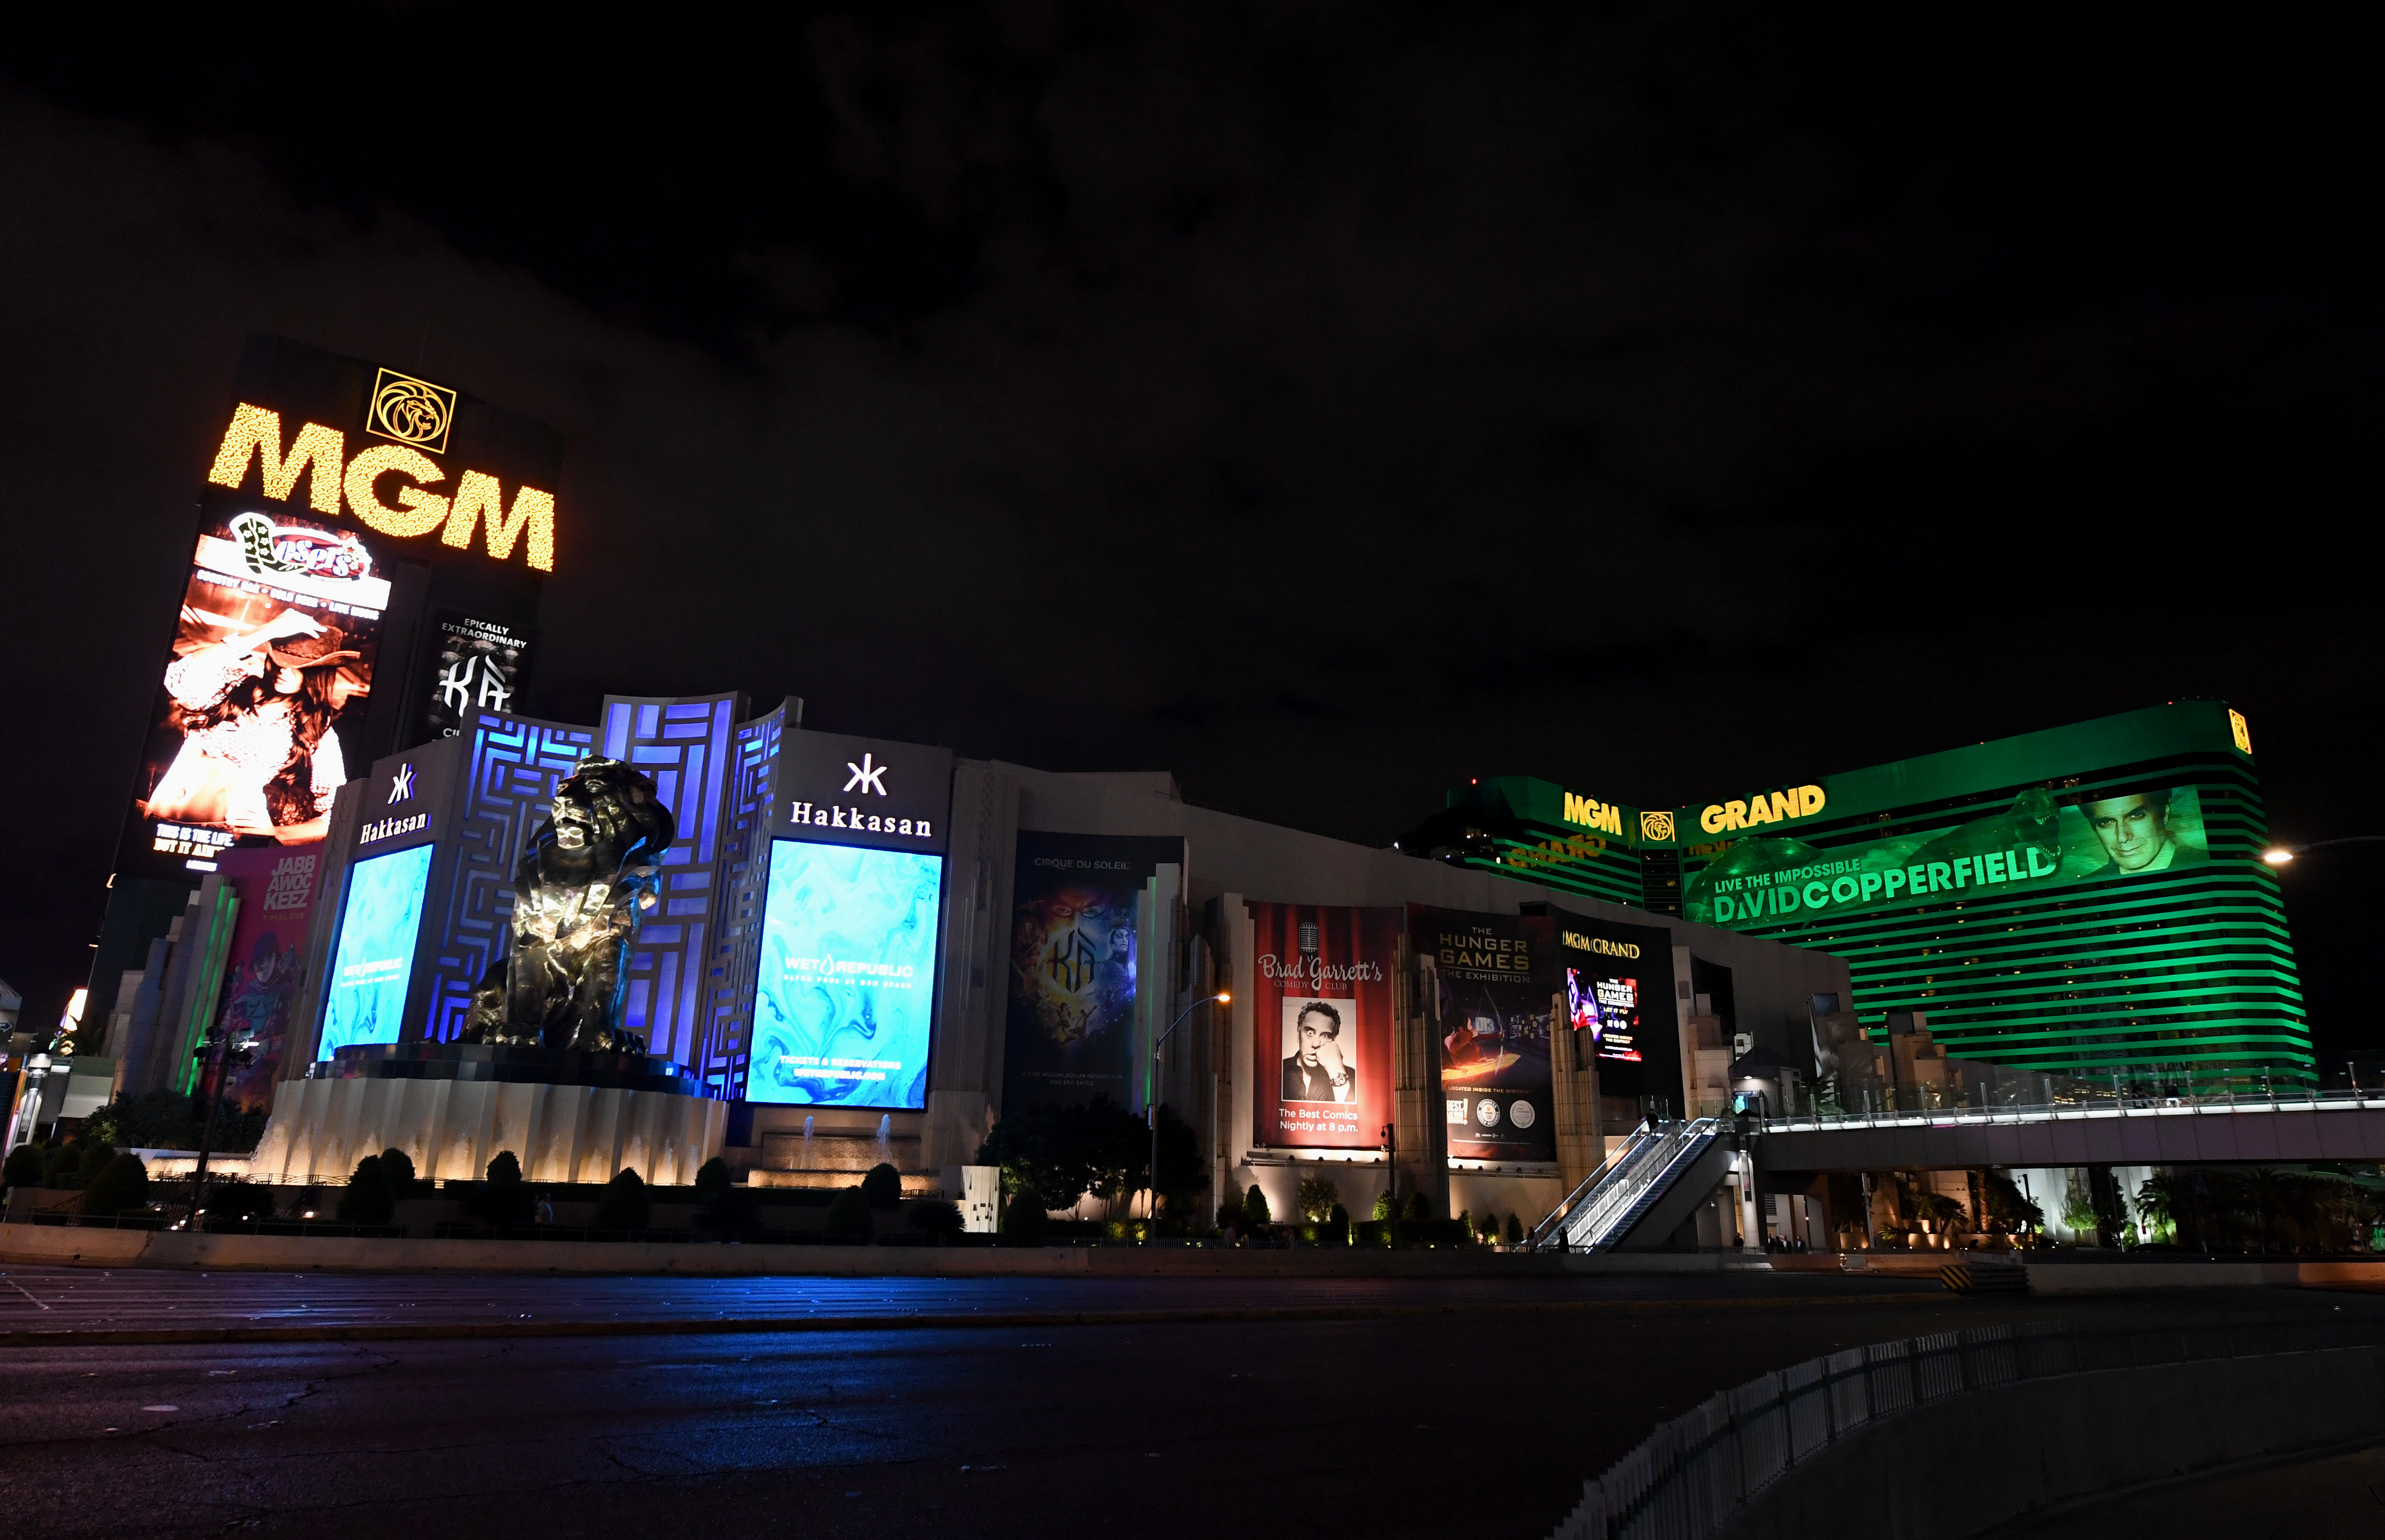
(411, 411)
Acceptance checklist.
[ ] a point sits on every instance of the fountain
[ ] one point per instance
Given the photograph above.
(885, 1140)
(803, 1160)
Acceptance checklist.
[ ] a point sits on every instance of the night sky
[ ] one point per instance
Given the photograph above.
(1326, 403)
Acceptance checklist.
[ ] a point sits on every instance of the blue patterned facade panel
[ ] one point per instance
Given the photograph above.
(514, 765)
(686, 745)
(728, 983)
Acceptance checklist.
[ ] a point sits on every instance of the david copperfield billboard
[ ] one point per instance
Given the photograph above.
(1498, 982)
(1322, 1017)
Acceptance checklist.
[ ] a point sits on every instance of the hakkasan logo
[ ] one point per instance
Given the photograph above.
(1599, 944)
(411, 411)
(271, 549)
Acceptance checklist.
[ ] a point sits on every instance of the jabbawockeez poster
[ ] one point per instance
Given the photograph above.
(1321, 1016)
(1498, 983)
(267, 957)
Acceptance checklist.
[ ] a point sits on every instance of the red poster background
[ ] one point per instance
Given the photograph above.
(1351, 969)
(268, 958)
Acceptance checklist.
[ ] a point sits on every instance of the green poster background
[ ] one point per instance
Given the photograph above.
(2034, 845)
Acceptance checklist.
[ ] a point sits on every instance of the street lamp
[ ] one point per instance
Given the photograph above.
(2277, 855)
(1151, 1100)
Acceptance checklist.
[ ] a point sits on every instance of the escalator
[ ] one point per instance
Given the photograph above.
(1652, 1183)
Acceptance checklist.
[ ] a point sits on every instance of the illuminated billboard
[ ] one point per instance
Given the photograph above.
(475, 664)
(845, 991)
(267, 960)
(1322, 1002)
(268, 678)
(373, 960)
(1620, 999)
(2088, 899)
(1070, 1030)
(1496, 977)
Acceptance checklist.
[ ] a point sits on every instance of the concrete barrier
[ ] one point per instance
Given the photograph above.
(229, 1253)
(1919, 1476)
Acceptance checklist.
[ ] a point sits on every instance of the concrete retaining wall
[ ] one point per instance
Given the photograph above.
(106, 1247)
(1969, 1463)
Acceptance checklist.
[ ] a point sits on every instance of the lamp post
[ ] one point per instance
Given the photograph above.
(2278, 855)
(1151, 1100)
(28, 1110)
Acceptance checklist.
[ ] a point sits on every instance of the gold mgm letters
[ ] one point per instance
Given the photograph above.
(1802, 802)
(321, 454)
(1590, 814)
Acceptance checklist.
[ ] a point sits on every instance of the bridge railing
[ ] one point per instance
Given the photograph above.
(2126, 1105)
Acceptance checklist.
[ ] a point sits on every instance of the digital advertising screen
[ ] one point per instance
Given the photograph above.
(1322, 1003)
(373, 960)
(1619, 1002)
(2038, 844)
(474, 663)
(266, 684)
(845, 997)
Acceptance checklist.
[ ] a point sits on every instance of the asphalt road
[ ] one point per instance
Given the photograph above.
(1473, 1420)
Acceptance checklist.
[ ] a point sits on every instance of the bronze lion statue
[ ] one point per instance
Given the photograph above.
(588, 877)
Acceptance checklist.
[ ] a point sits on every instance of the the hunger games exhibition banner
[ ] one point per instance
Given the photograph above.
(267, 957)
(1498, 979)
(1619, 991)
(1070, 1034)
(270, 670)
(1321, 1016)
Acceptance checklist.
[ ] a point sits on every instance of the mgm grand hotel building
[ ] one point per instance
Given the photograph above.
(2087, 901)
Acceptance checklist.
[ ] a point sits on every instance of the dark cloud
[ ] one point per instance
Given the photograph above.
(1325, 404)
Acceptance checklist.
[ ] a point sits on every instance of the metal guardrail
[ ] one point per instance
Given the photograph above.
(2119, 1107)
(1693, 1475)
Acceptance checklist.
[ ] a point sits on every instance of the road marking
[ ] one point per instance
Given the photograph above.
(27, 1293)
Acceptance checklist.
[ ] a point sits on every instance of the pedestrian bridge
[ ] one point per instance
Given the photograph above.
(2286, 1128)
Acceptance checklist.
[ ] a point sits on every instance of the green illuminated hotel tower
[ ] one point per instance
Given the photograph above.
(2089, 900)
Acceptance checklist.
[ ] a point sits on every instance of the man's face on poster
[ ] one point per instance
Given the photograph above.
(2134, 830)
(1315, 1030)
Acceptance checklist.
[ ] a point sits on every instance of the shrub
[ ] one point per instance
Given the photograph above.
(935, 1217)
(1254, 1207)
(725, 1206)
(1316, 1197)
(1385, 1208)
(1229, 1216)
(883, 1187)
(625, 1204)
(397, 1170)
(1335, 1231)
(1415, 1208)
(1515, 1231)
(24, 1167)
(96, 1153)
(367, 1199)
(120, 1186)
(1487, 1227)
(849, 1216)
(505, 1198)
(712, 1178)
(1025, 1217)
(59, 1165)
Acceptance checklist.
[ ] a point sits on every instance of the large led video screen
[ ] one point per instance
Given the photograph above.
(846, 990)
(263, 693)
(372, 962)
